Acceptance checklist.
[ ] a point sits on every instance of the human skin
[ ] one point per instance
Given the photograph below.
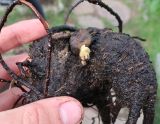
(57, 110)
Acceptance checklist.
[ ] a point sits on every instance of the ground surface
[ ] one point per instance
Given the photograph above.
(90, 113)
(92, 15)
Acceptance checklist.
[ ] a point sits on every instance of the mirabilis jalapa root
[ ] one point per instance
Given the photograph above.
(112, 60)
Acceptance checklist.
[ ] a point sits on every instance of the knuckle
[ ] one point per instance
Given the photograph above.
(34, 114)
(30, 116)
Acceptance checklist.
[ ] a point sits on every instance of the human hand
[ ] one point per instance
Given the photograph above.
(57, 110)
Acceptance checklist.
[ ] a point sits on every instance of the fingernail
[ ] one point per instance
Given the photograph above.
(71, 113)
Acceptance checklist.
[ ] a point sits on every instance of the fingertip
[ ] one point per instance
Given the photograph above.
(57, 110)
(71, 112)
(68, 109)
(16, 35)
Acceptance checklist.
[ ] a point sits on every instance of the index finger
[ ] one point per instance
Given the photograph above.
(20, 33)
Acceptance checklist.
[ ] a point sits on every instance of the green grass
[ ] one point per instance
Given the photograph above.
(54, 19)
(17, 14)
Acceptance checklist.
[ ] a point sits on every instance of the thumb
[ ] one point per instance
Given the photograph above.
(57, 110)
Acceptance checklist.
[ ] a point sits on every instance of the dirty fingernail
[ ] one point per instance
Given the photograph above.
(71, 112)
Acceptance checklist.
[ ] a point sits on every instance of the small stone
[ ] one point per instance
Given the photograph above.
(84, 8)
(90, 21)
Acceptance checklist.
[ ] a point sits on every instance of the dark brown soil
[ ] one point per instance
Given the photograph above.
(117, 61)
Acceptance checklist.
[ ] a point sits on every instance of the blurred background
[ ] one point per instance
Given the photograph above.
(140, 17)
